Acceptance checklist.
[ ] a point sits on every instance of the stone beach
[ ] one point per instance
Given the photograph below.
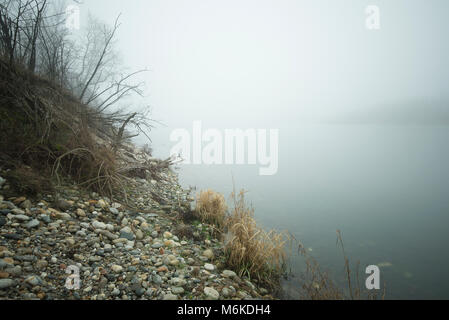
(142, 251)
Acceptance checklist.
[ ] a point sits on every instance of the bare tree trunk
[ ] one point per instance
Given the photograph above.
(100, 60)
(119, 137)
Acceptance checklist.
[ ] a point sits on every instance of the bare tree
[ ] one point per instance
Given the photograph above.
(33, 35)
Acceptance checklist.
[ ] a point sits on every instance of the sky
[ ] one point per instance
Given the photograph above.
(283, 63)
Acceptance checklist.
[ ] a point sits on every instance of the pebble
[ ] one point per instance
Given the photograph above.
(21, 217)
(32, 224)
(41, 264)
(6, 283)
(80, 213)
(119, 253)
(209, 267)
(225, 292)
(228, 274)
(98, 225)
(211, 293)
(209, 254)
(33, 280)
(116, 268)
(177, 290)
(139, 234)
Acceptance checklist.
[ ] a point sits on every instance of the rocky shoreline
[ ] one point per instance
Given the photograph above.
(141, 252)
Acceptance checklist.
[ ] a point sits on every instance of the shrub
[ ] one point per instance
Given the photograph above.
(250, 250)
(211, 208)
(26, 181)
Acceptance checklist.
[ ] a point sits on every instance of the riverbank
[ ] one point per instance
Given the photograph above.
(139, 250)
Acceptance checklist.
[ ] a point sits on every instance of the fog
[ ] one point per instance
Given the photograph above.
(362, 115)
(280, 63)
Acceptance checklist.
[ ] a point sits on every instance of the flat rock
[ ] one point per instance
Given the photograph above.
(209, 267)
(6, 283)
(228, 274)
(211, 293)
(33, 224)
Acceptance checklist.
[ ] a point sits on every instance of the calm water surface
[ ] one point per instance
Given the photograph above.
(385, 187)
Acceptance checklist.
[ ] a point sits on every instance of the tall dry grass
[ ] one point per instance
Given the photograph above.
(211, 208)
(250, 250)
(45, 128)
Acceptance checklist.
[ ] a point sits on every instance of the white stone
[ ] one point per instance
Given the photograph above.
(229, 274)
(116, 268)
(98, 225)
(209, 267)
(211, 293)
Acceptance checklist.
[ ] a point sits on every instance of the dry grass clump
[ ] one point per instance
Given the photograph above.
(250, 250)
(24, 180)
(211, 208)
(91, 165)
(45, 128)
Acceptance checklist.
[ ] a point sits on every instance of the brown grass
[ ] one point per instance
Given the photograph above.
(26, 181)
(250, 250)
(211, 208)
(45, 128)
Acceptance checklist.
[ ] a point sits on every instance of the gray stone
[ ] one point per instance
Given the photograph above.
(117, 268)
(21, 217)
(157, 279)
(63, 216)
(98, 225)
(177, 290)
(209, 254)
(178, 282)
(115, 292)
(34, 281)
(6, 283)
(41, 264)
(225, 292)
(209, 267)
(28, 258)
(32, 224)
(211, 293)
(228, 274)
(15, 271)
(63, 205)
(139, 235)
(157, 246)
(2, 221)
(170, 297)
(126, 233)
(26, 204)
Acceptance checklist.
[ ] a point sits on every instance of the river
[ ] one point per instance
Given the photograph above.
(385, 187)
